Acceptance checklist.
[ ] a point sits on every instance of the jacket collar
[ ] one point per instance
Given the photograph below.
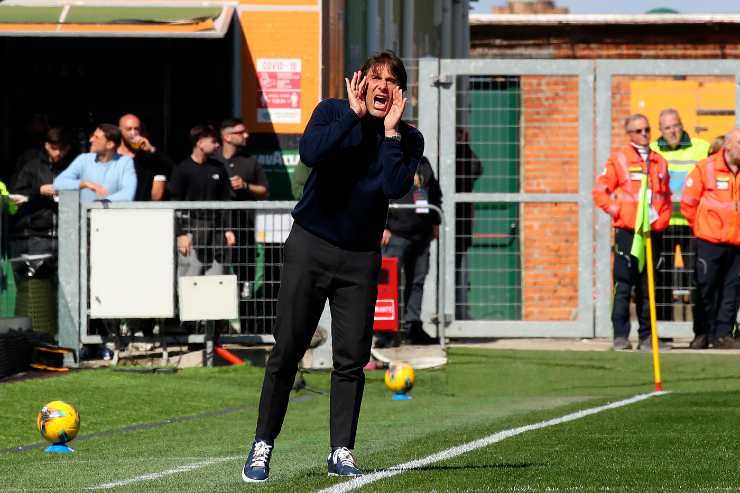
(634, 156)
(718, 160)
(684, 143)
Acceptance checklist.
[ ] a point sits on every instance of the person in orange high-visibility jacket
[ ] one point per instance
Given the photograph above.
(617, 192)
(711, 204)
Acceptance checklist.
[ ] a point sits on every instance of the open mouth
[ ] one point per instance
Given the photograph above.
(380, 101)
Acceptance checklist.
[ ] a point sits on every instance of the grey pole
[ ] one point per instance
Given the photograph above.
(68, 295)
(373, 27)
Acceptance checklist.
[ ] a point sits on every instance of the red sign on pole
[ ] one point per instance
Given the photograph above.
(386, 306)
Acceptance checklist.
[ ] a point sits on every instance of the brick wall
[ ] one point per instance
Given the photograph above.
(549, 133)
(549, 129)
(561, 49)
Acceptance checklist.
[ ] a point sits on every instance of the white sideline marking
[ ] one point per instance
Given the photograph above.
(166, 472)
(480, 443)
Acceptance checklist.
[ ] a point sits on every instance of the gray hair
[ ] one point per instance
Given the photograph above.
(669, 111)
(731, 133)
(632, 118)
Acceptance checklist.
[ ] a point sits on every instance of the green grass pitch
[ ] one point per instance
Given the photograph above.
(190, 431)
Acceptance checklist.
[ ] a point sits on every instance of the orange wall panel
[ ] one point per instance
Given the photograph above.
(280, 2)
(283, 34)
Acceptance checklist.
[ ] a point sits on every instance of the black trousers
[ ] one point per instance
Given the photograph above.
(243, 260)
(314, 271)
(628, 277)
(670, 277)
(413, 259)
(717, 271)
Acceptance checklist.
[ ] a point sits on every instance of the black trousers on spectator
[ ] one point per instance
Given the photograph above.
(717, 271)
(626, 277)
(243, 260)
(670, 277)
(263, 305)
(314, 271)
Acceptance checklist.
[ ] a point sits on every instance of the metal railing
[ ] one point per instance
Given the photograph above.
(516, 145)
(260, 229)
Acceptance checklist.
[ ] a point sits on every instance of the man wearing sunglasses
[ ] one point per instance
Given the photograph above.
(617, 192)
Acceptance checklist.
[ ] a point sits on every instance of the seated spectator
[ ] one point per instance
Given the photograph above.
(34, 231)
(102, 173)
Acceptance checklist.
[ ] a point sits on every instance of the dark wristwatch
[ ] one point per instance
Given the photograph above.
(395, 138)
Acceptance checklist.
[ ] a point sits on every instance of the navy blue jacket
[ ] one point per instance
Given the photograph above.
(355, 171)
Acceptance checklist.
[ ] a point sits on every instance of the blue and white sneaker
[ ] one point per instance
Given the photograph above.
(257, 466)
(342, 463)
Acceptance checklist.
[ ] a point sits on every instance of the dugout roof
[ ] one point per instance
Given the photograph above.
(132, 18)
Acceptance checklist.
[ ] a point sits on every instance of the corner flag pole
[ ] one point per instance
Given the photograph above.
(641, 245)
(653, 317)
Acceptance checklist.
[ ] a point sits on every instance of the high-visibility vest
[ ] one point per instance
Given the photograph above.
(617, 189)
(12, 207)
(711, 201)
(680, 163)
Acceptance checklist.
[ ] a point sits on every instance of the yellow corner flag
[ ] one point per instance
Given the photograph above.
(642, 226)
(641, 248)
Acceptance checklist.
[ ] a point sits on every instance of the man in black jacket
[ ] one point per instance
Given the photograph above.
(361, 155)
(36, 222)
(202, 234)
(407, 236)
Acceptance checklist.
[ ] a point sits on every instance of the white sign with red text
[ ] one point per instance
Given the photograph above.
(385, 309)
(279, 90)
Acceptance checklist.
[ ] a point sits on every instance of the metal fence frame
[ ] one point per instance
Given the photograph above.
(437, 122)
(437, 104)
(604, 71)
(437, 80)
(73, 262)
(74, 253)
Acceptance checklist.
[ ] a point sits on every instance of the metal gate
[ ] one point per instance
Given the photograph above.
(613, 79)
(517, 144)
(519, 238)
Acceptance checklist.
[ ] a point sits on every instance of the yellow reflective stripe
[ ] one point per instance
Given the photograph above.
(678, 221)
(681, 167)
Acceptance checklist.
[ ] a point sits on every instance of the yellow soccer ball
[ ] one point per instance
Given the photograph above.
(400, 378)
(58, 422)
